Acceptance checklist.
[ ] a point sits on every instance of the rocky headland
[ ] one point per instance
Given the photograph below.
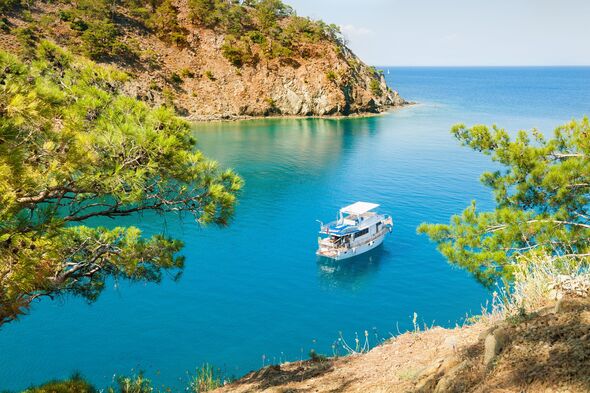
(210, 59)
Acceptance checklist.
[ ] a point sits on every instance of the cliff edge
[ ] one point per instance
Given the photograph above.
(540, 351)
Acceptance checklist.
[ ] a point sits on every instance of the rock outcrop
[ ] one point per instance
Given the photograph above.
(314, 77)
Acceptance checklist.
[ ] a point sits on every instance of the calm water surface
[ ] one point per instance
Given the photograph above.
(256, 289)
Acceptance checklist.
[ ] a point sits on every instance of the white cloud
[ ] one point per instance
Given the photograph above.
(352, 31)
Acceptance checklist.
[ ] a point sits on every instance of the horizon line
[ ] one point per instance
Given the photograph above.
(485, 65)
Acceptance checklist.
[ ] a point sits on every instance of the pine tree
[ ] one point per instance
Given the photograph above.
(542, 201)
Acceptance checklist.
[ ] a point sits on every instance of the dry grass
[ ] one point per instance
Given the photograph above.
(546, 352)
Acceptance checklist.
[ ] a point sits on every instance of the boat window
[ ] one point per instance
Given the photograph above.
(377, 227)
(361, 233)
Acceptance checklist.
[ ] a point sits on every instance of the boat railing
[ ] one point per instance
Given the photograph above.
(372, 238)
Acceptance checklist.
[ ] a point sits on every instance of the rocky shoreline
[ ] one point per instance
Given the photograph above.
(232, 118)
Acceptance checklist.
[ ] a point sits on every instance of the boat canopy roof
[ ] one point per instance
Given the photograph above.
(359, 208)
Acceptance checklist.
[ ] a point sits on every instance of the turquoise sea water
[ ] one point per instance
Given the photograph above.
(255, 291)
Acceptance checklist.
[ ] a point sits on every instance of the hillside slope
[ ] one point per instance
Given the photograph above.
(541, 352)
(209, 58)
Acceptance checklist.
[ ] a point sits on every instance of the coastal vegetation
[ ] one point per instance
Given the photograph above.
(542, 194)
(74, 149)
(204, 379)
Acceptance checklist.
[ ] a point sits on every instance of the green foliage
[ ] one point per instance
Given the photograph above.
(270, 24)
(99, 38)
(375, 87)
(175, 78)
(237, 52)
(28, 38)
(187, 73)
(133, 384)
(4, 24)
(542, 196)
(204, 380)
(209, 75)
(256, 37)
(74, 149)
(331, 76)
(206, 12)
(6, 5)
(76, 384)
(269, 12)
(165, 22)
(316, 357)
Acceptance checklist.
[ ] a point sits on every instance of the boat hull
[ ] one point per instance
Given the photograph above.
(354, 251)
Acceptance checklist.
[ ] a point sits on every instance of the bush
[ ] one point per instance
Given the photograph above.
(269, 12)
(209, 75)
(28, 38)
(204, 380)
(6, 5)
(375, 87)
(134, 384)
(164, 21)
(4, 24)
(175, 78)
(98, 39)
(236, 52)
(140, 12)
(256, 37)
(76, 384)
(316, 357)
(186, 73)
(78, 25)
(331, 76)
(204, 12)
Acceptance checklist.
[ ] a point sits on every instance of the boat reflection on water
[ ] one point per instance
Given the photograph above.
(350, 274)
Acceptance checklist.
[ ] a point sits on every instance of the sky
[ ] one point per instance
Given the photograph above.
(460, 32)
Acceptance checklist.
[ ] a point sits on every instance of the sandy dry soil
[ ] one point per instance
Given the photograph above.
(546, 351)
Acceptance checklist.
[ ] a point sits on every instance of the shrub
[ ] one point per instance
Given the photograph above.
(175, 78)
(65, 15)
(375, 87)
(6, 5)
(236, 52)
(209, 75)
(278, 50)
(76, 384)
(4, 24)
(168, 95)
(151, 58)
(28, 38)
(164, 21)
(78, 25)
(204, 12)
(153, 85)
(186, 73)
(204, 380)
(134, 384)
(331, 76)
(256, 37)
(140, 12)
(98, 39)
(268, 12)
(316, 357)
(177, 38)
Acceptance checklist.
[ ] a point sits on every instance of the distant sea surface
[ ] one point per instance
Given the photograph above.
(255, 293)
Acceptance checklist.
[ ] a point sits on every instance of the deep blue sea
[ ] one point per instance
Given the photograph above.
(255, 292)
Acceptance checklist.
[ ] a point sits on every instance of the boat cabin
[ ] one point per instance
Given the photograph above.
(357, 229)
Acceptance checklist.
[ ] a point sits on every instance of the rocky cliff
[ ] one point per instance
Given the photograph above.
(211, 58)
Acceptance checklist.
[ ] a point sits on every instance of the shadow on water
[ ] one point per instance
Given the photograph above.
(351, 274)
